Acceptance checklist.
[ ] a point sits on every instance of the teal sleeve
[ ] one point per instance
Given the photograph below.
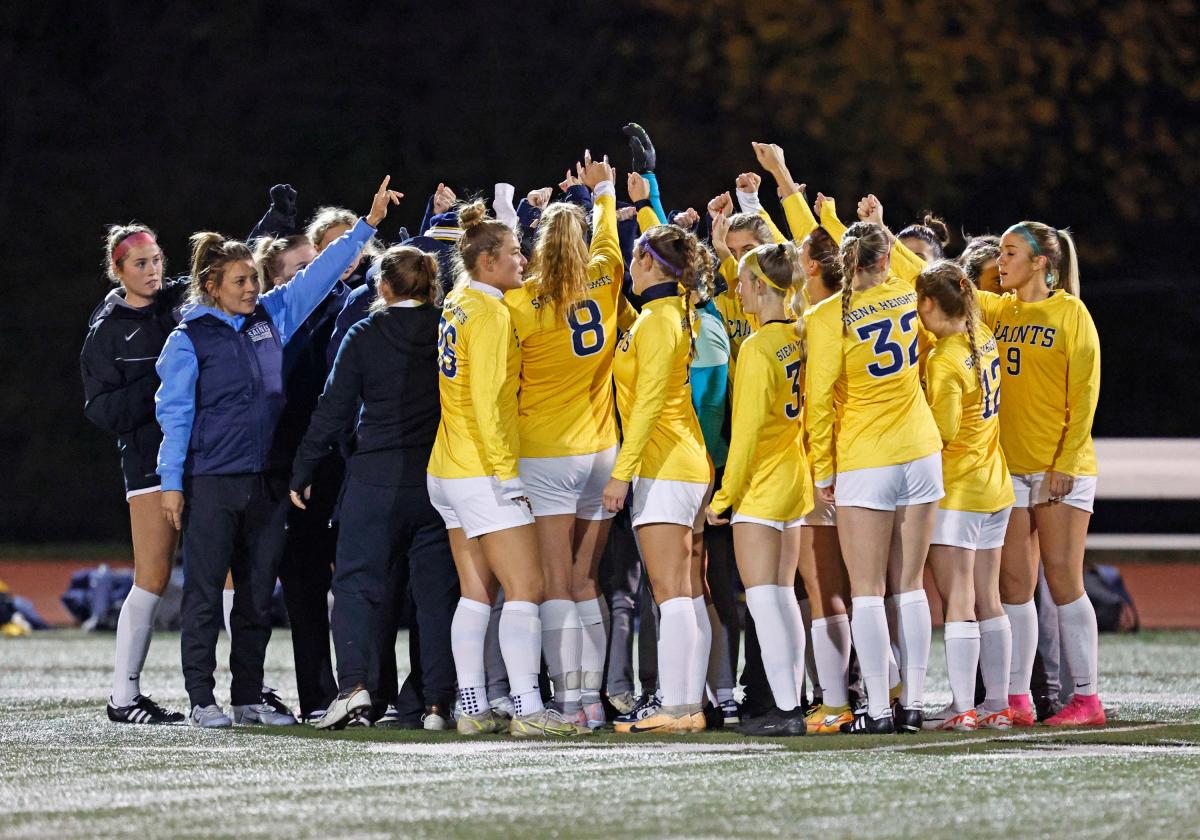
(655, 200)
(709, 386)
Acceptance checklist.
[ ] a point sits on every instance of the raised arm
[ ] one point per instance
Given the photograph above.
(280, 218)
(605, 254)
(645, 159)
(747, 196)
(799, 216)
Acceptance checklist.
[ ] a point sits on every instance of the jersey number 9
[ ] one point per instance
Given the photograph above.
(587, 328)
(447, 358)
(890, 356)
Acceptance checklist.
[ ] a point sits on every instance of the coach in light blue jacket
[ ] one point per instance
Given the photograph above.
(221, 397)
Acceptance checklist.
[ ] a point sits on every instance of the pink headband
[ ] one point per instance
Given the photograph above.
(130, 242)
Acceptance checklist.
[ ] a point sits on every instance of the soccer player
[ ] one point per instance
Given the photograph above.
(882, 467)
(664, 459)
(126, 334)
(1050, 370)
(962, 384)
(565, 316)
(218, 405)
(767, 481)
(474, 482)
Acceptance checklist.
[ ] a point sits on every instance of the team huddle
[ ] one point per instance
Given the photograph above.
(486, 425)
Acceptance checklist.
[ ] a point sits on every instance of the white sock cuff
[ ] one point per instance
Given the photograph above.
(761, 592)
(475, 606)
(787, 594)
(995, 625)
(1082, 602)
(699, 606)
(558, 614)
(866, 601)
(590, 611)
(1028, 606)
(961, 630)
(147, 598)
(916, 596)
(527, 607)
(831, 620)
(676, 605)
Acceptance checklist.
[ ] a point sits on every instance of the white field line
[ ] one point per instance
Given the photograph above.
(1030, 736)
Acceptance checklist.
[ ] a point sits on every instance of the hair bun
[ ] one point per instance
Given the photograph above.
(471, 214)
(939, 228)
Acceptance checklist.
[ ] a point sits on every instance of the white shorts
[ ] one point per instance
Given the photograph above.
(571, 484)
(660, 501)
(778, 525)
(821, 514)
(968, 529)
(886, 488)
(1033, 489)
(477, 505)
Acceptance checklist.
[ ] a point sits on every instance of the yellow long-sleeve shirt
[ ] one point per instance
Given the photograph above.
(662, 437)
(884, 419)
(766, 473)
(480, 363)
(1050, 370)
(967, 414)
(738, 323)
(565, 406)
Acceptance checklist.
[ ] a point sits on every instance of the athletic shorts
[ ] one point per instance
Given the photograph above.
(572, 484)
(778, 525)
(968, 529)
(1033, 489)
(129, 494)
(886, 488)
(660, 501)
(477, 505)
(821, 514)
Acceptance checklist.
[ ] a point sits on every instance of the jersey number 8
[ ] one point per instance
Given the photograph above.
(447, 358)
(587, 328)
(887, 349)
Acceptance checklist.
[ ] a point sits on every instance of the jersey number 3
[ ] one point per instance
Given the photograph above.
(890, 355)
(587, 328)
(792, 409)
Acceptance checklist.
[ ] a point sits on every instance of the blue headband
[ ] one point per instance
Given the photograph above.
(643, 244)
(1028, 236)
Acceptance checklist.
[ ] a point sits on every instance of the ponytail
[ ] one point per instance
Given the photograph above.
(863, 243)
(558, 266)
(211, 252)
(1068, 271)
(406, 272)
(947, 284)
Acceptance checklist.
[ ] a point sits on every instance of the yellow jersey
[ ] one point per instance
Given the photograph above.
(884, 419)
(565, 406)
(1050, 370)
(738, 323)
(766, 472)
(480, 364)
(967, 414)
(662, 437)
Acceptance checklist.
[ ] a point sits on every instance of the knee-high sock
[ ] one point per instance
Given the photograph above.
(1022, 618)
(595, 645)
(831, 650)
(891, 606)
(521, 644)
(1077, 628)
(677, 638)
(133, 642)
(916, 633)
(868, 626)
(995, 657)
(720, 668)
(793, 621)
(493, 658)
(227, 609)
(962, 661)
(775, 643)
(562, 645)
(698, 674)
(810, 658)
(467, 629)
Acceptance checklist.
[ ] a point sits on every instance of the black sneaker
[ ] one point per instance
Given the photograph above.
(714, 717)
(776, 723)
(908, 720)
(271, 697)
(864, 724)
(143, 710)
(1046, 707)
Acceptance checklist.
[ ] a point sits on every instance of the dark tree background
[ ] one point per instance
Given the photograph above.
(1081, 113)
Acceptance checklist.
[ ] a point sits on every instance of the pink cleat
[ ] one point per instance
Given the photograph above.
(1021, 710)
(1083, 710)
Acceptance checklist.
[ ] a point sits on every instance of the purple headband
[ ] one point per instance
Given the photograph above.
(643, 244)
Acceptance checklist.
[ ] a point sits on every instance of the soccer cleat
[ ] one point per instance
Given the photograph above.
(544, 724)
(143, 710)
(1021, 710)
(262, 714)
(949, 720)
(994, 720)
(271, 697)
(210, 717)
(594, 712)
(623, 702)
(1082, 710)
(907, 720)
(1046, 707)
(579, 720)
(864, 724)
(828, 720)
(484, 723)
(435, 719)
(313, 717)
(503, 706)
(699, 719)
(391, 719)
(776, 724)
(646, 705)
(344, 706)
(730, 712)
(659, 719)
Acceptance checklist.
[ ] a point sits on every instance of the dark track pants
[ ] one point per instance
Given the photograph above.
(230, 522)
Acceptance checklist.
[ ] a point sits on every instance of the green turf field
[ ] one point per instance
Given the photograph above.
(66, 771)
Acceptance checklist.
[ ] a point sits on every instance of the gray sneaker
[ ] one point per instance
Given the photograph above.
(210, 717)
(260, 713)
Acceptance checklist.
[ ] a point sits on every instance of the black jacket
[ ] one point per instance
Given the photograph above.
(387, 361)
(119, 380)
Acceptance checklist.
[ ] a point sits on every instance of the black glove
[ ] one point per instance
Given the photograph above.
(283, 199)
(644, 156)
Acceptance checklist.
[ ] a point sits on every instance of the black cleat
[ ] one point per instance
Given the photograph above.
(776, 724)
(271, 698)
(1046, 707)
(714, 717)
(908, 721)
(864, 724)
(143, 710)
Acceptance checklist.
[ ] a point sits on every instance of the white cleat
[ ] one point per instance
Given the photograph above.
(346, 705)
